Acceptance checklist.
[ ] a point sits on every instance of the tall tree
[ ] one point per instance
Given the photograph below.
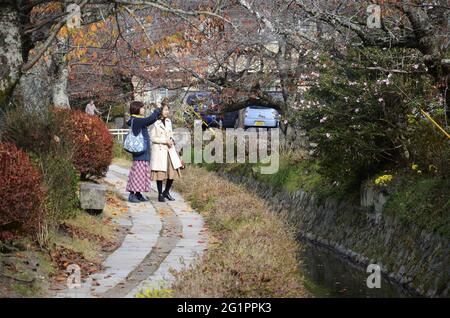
(34, 45)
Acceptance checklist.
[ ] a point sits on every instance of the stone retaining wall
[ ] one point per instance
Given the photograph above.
(408, 255)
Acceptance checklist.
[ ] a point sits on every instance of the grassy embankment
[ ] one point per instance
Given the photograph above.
(422, 199)
(252, 252)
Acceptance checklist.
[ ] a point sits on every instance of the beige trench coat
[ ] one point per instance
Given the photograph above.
(159, 135)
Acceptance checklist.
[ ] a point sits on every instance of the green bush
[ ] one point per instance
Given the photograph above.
(359, 114)
(37, 134)
(294, 173)
(61, 181)
(32, 131)
(421, 200)
(429, 148)
(119, 152)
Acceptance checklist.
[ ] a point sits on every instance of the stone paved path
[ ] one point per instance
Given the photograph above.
(162, 237)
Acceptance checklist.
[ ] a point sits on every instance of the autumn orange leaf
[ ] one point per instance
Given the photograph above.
(63, 32)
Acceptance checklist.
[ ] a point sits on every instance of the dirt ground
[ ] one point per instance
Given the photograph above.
(30, 270)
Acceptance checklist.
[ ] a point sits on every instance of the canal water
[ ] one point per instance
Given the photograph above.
(329, 275)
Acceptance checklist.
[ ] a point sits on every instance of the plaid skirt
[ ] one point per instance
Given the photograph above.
(139, 177)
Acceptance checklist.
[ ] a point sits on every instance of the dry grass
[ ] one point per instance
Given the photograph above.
(89, 235)
(95, 225)
(85, 240)
(123, 162)
(256, 251)
(115, 205)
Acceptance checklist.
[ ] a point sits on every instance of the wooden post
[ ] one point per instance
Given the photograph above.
(107, 117)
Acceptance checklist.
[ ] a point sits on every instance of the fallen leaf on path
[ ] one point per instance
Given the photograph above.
(61, 279)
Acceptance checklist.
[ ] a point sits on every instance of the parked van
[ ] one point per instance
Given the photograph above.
(261, 116)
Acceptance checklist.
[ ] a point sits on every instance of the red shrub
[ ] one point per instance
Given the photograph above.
(92, 143)
(21, 190)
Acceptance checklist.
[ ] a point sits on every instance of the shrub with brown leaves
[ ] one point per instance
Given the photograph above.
(90, 139)
(21, 191)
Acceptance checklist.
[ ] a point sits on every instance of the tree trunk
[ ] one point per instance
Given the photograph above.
(60, 97)
(61, 77)
(46, 82)
(10, 52)
(34, 91)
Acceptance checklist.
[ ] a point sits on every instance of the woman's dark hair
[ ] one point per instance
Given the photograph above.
(164, 103)
(135, 107)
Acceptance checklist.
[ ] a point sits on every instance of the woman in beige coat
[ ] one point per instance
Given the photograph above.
(165, 162)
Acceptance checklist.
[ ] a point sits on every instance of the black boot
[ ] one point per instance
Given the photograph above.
(166, 193)
(133, 198)
(161, 198)
(160, 194)
(168, 196)
(141, 197)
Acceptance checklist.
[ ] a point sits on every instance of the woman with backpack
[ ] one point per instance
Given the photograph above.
(139, 177)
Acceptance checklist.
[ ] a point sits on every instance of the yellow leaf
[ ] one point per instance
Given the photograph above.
(143, 53)
(63, 32)
(152, 51)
